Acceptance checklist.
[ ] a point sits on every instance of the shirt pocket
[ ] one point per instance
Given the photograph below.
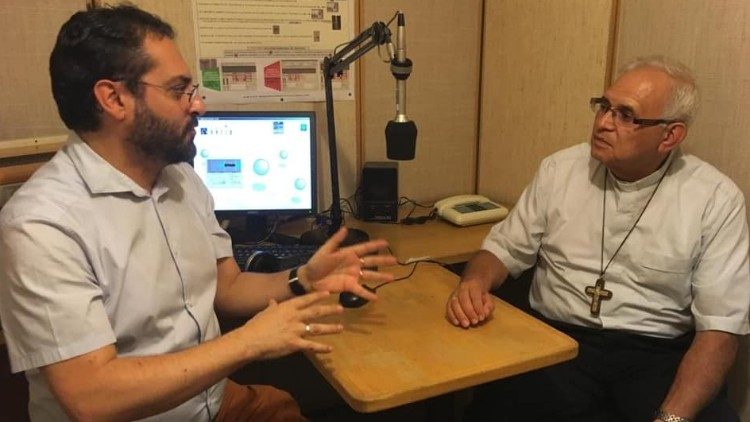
(667, 275)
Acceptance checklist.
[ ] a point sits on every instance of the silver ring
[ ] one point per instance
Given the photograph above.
(361, 273)
(362, 261)
(308, 330)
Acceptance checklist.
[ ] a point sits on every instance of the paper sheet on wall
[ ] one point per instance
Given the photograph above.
(270, 50)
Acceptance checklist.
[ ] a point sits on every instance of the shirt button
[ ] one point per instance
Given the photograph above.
(189, 304)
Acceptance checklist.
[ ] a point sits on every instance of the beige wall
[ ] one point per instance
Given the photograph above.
(28, 29)
(541, 62)
(710, 37)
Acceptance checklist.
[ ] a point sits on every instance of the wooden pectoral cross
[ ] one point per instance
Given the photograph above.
(597, 293)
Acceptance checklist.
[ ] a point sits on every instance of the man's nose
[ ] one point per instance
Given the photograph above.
(197, 106)
(605, 120)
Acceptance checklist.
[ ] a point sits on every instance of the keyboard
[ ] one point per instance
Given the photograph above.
(287, 256)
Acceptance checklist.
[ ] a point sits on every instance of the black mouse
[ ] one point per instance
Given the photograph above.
(350, 300)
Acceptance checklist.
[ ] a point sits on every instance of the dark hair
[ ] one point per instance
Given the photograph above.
(95, 44)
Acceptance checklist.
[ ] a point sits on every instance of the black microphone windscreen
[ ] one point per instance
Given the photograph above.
(400, 140)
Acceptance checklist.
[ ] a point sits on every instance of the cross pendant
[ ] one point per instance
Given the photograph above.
(597, 293)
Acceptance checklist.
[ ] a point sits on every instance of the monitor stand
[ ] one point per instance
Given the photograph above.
(257, 228)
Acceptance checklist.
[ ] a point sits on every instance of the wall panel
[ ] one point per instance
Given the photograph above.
(29, 29)
(712, 38)
(541, 62)
(443, 40)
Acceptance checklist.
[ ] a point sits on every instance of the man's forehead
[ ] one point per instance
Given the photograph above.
(168, 62)
(639, 87)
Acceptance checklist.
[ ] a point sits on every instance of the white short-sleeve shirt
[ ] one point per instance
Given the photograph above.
(684, 267)
(89, 258)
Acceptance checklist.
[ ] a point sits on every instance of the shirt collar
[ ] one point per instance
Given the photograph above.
(102, 178)
(649, 180)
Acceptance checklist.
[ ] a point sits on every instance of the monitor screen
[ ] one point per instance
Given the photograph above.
(258, 163)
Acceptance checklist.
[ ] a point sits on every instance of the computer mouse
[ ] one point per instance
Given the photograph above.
(262, 262)
(350, 300)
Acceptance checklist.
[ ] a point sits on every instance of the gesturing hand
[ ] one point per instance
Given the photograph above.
(337, 269)
(284, 328)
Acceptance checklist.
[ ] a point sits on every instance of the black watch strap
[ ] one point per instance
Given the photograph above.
(294, 285)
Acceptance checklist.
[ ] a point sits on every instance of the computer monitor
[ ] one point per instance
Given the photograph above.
(258, 165)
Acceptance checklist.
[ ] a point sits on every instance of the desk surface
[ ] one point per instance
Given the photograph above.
(436, 239)
(401, 349)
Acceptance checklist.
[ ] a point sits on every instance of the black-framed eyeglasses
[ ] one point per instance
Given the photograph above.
(176, 91)
(623, 116)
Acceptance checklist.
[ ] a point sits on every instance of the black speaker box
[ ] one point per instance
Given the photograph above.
(379, 194)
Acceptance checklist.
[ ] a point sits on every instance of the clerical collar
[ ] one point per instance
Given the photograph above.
(645, 182)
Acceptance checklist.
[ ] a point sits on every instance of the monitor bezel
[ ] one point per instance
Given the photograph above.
(294, 212)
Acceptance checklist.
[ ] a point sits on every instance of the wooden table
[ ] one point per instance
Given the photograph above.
(401, 349)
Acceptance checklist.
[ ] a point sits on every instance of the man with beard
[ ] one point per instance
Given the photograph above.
(113, 263)
(640, 254)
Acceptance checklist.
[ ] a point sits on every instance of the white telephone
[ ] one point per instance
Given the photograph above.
(466, 210)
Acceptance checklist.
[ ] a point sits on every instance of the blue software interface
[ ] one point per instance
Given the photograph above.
(257, 161)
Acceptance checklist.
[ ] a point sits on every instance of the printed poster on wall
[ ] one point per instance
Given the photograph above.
(271, 50)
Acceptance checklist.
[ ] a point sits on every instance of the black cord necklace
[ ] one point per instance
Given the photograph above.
(597, 291)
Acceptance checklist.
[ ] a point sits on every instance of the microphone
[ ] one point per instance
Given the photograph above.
(400, 133)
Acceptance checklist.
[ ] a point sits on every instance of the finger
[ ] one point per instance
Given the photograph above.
(458, 311)
(363, 293)
(333, 243)
(314, 346)
(308, 299)
(477, 302)
(318, 311)
(489, 305)
(449, 314)
(323, 329)
(468, 307)
(367, 248)
(376, 276)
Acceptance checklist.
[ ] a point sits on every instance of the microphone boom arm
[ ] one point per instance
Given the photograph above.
(377, 34)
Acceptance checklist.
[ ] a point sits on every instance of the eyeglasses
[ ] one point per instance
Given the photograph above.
(176, 91)
(622, 116)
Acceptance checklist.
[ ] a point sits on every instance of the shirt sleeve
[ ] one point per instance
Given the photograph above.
(515, 241)
(721, 280)
(51, 306)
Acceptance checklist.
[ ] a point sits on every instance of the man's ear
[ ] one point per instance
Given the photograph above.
(109, 99)
(674, 134)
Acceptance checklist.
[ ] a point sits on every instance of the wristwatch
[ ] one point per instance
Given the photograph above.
(294, 285)
(669, 417)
